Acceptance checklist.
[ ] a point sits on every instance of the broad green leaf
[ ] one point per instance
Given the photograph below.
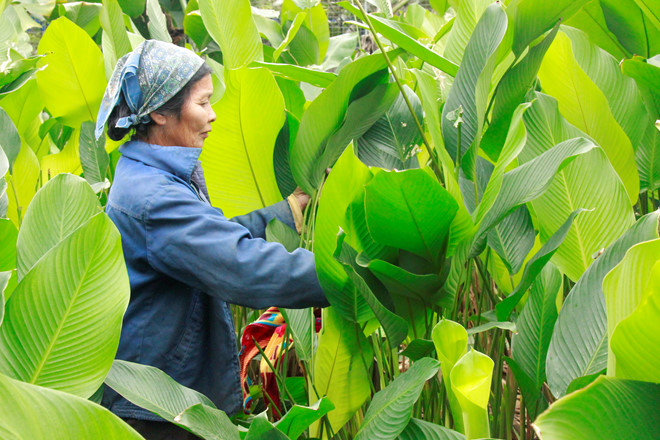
(417, 349)
(646, 74)
(290, 35)
(450, 340)
(384, 6)
(468, 14)
(75, 70)
(262, 429)
(394, 33)
(339, 368)
(631, 27)
(624, 288)
(534, 267)
(85, 15)
(299, 73)
(237, 156)
(579, 341)
(133, 7)
(323, 117)
(285, 138)
(340, 47)
(152, 389)
(635, 340)
(650, 10)
(390, 143)
(532, 18)
(58, 209)
(361, 114)
(423, 211)
(396, 328)
(591, 20)
(588, 182)
(469, 93)
(193, 25)
(391, 408)
(93, 157)
(157, 22)
(535, 324)
(8, 236)
(623, 96)
(10, 141)
(511, 91)
(607, 409)
(317, 22)
(298, 418)
(470, 381)
(344, 184)
(62, 326)
(32, 412)
(21, 185)
(421, 430)
(24, 107)
(422, 288)
(230, 24)
(584, 105)
(279, 232)
(208, 422)
(526, 183)
(17, 74)
(115, 41)
(268, 26)
(513, 238)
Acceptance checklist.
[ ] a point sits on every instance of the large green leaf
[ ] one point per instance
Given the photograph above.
(526, 183)
(421, 430)
(238, 154)
(390, 143)
(513, 238)
(298, 418)
(391, 408)
(132, 7)
(579, 341)
(607, 409)
(152, 389)
(624, 288)
(322, 118)
(115, 38)
(316, 23)
(85, 15)
(470, 89)
(21, 185)
(32, 412)
(298, 73)
(8, 236)
(344, 184)
(230, 24)
(64, 318)
(648, 159)
(395, 326)
(646, 74)
(631, 27)
(75, 70)
(588, 182)
(511, 91)
(468, 14)
(422, 210)
(584, 105)
(532, 18)
(591, 19)
(534, 267)
(23, 107)
(52, 217)
(157, 22)
(535, 324)
(340, 368)
(621, 92)
(635, 342)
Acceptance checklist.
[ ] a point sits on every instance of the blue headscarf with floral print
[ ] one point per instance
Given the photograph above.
(146, 79)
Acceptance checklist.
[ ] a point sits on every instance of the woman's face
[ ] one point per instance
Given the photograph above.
(194, 124)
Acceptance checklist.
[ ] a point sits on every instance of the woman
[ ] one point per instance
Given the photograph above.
(185, 260)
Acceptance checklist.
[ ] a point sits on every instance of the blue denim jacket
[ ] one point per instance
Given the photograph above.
(186, 262)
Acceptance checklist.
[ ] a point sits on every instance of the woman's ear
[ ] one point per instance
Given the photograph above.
(158, 118)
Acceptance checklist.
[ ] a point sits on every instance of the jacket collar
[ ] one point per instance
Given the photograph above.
(180, 161)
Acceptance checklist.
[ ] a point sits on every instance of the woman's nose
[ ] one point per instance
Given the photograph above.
(212, 115)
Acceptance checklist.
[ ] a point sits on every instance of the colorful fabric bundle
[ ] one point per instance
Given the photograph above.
(266, 333)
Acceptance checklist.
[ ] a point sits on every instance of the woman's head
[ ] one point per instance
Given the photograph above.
(195, 91)
(151, 89)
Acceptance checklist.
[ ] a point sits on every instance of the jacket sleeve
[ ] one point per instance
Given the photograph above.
(256, 221)
(194, 243)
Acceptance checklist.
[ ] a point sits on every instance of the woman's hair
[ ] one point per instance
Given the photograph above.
(170, 108)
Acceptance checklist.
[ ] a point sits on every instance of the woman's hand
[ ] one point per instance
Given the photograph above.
(302, 197)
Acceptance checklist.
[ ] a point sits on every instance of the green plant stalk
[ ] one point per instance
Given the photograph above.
(427, 145)
(279, 378)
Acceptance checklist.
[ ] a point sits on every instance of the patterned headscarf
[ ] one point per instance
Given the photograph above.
(146, 79)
